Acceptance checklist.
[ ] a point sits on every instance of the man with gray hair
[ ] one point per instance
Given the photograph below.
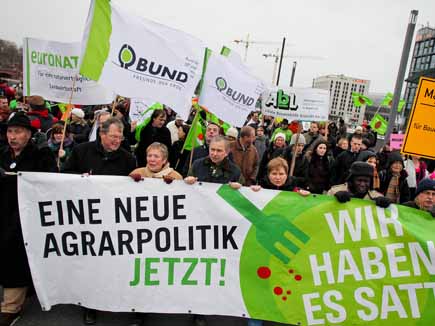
(216, 167)
(104, 156)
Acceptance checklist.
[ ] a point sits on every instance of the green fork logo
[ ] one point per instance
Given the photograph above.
(275, 233)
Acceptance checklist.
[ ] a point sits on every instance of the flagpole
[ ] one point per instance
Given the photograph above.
(68, 113)
(293, 162)
(280, 61)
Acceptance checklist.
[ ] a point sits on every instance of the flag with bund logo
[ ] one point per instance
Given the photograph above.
(138, 58)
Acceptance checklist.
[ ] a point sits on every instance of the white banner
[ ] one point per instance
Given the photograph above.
(139, 58)
(303, 104)
(229, 91)
(49, 71)
(112, 244)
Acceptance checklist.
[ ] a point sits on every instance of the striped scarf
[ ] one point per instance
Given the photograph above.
(393, 193)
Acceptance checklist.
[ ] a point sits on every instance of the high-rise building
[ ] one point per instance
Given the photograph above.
(422, 64)
(341, 104)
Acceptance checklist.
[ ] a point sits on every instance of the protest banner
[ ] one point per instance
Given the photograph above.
(420, 132)
(49, 71)
(138, 58)
(229, 90)
(113, 244)
(396, 141)
(303, 104)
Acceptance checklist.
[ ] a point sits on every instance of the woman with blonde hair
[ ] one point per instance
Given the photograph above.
(157, 165)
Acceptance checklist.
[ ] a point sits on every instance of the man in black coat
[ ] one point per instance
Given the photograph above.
(103, 157)
(216, 167)
(20, 154)
(345, 159)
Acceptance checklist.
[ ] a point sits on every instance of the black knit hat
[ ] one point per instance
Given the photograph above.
(359, 169)
(425, 184)
(394, 156)
(365, 155)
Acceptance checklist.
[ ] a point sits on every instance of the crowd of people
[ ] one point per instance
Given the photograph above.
(265, 153)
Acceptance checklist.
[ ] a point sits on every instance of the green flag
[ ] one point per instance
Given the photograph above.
(147, 113)
(388, 101)
(360, 100)
(213, 118)
(195, 136)
(379, 124)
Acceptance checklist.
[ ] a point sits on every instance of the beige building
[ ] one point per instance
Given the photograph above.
(341, 104)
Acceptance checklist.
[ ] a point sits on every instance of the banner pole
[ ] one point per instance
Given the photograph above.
(293, 163)
(67, 116)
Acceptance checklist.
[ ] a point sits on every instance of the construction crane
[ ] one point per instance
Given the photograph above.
(248, 42)
(277, 57)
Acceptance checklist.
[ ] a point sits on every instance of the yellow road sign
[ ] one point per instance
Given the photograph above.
(420, 132)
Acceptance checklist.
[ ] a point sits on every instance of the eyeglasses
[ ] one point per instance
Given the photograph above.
(115, 137)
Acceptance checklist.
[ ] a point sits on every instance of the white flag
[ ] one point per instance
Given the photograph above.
(139, 58)
(50, 69)
(229, 91)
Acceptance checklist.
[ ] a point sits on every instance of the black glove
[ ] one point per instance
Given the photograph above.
(383, 202)
(2, 173)
(343, 196)
(432, 211)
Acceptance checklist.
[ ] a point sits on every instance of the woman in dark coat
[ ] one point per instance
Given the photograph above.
(393, 180)
(320, 168)
(154, 131)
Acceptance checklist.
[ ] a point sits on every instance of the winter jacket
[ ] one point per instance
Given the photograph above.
(319, 173)
(301, 166)
(342, 166)
(205, 170)
(261, 144)
(14, 270)
(289, 185)
(269, 154)
(80, 131)
(385, 178)
(371, 194)
(246, 158)
(68, 145)
(93, 159)
(41, 119)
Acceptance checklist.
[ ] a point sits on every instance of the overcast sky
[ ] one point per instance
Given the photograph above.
(362, 39)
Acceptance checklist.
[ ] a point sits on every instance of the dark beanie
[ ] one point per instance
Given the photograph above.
(358, 169)
(425, 184)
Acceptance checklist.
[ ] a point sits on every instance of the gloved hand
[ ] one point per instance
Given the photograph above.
(432, 211)
(168, 179)
(343, 196)
(383, 202)
(2, 173)
(136, 177)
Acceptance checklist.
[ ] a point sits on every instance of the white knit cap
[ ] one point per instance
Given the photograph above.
(78, 112)
(280, 134)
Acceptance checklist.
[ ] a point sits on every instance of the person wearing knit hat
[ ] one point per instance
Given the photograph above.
(359, 185)
(79, 113)
(300, 139)
(275, 149)
(39, 114)
(370, 158)
(232, 134)
(79, 129)
(393, 180)
(425, 197)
